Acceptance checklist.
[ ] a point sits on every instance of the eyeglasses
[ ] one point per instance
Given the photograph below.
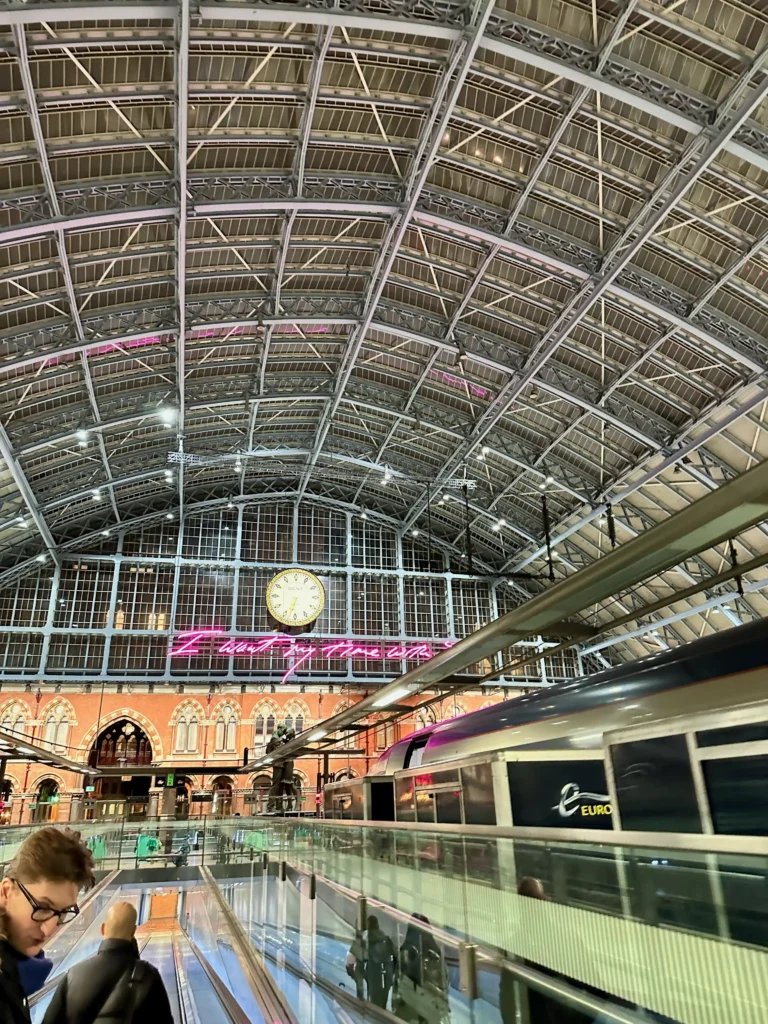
(41, 914)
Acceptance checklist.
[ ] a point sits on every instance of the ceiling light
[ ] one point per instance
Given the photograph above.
(105, 533)
(502, 522)
(387, 476)
(485, 449)
(41, 558)
(82, 437)
(441, 502)
(446, 497)
(414, 533)
(168, 415)
(363, 515)
(495, 527)
(230, 504)
(169, 515)
(238, 466)
(478, 152)
(497, 159)
(23, 522)
(96, 494)
(549, 480)
(391, 698)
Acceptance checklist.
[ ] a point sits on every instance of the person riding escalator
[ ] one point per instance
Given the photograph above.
(421, 985)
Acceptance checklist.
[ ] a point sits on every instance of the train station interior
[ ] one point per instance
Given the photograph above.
(384, 502)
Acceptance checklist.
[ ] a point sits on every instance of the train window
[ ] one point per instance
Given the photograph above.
(404, 809)
(738, 794)
(425, 806)
(477, 785)
(448, 806)
(751, 733)
(415, 753)
(654, 785)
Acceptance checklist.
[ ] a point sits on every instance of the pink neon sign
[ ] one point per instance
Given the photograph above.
(193, 642)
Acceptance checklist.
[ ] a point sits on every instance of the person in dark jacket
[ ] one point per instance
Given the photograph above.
(38, 894)
(115, 986)
(421, 986)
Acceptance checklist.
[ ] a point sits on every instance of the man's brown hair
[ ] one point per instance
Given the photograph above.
(55, 854)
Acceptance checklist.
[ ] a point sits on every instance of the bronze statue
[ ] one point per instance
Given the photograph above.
(285, 791)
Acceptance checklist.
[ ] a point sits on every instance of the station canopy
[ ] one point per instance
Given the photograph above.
(368, 254)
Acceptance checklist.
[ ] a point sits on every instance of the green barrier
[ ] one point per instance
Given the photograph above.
(146, 846)
(98, 847)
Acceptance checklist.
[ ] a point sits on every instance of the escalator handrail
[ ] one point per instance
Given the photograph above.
(230, 1005)
(273, 1004)
(547, 984)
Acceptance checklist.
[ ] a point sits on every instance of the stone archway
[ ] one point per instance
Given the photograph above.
(132, 716)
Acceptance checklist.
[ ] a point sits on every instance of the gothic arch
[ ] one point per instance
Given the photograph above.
(48, 776)
(224, 703)
(57, 719)
(187, 705)
(15, 784)
(132, 716)
(14, 709)
(296, 706)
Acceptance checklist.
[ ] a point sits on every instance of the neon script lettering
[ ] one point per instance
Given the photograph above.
(193, 642)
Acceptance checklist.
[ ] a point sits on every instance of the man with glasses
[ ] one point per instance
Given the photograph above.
(37, 895)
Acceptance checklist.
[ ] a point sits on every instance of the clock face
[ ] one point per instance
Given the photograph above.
(295, 597)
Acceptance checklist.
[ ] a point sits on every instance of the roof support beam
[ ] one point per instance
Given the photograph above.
(577, 103)
(182, 111)
(697, 156)
(446, 97)
(33, 112)
(22, 484)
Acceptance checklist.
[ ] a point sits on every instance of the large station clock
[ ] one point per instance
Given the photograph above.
(295, 597)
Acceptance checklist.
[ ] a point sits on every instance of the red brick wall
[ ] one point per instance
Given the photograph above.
(156, 714)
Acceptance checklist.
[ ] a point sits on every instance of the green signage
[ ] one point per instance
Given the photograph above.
(90, 789)
(170, 779)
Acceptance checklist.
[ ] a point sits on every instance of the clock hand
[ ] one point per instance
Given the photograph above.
(293, 605)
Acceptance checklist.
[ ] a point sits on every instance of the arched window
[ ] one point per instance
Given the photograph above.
(299, 724)
(270, 725)
(56, 733)
(14, 721)
(186, 733)
(226, 725)
(289, 721)
(181, 734)
(258, 732)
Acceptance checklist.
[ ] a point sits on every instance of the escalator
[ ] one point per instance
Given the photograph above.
(207, 978)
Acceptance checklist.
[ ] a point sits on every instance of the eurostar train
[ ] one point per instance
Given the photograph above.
(674, 742)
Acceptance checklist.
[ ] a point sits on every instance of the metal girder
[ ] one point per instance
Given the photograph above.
(528, 244)
(53, 200)
(22, 485)
(446, 97)
(694, 161)
(566, 387)
(683, 451)
(549, 151)
(324, 37)
(513, 40)
(182, 112)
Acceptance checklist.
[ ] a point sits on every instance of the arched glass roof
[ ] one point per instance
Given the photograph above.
(365, 252)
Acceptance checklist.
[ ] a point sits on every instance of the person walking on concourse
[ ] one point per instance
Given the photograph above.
(37, 894)
(114, 987)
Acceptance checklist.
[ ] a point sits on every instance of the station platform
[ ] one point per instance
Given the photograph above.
(255, 919)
